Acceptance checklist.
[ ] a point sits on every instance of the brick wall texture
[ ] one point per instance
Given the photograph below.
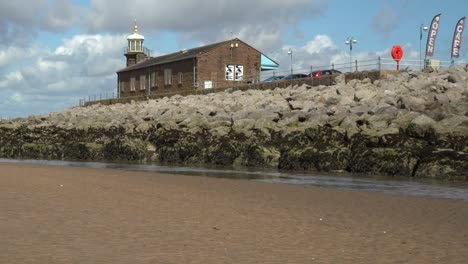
(209, 66)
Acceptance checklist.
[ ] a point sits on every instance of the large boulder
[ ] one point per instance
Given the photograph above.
(407, 124)
(416, 104)
(421, 126)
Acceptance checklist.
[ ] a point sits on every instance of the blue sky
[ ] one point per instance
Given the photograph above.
(55, 52)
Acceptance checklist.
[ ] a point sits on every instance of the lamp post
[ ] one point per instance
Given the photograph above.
(421, 29)
(350, 41)
(290, 53)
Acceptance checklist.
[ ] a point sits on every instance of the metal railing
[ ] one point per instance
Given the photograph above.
(97, 97)
(364, 65)
(238, 86)
(145, 50)
(254, 80)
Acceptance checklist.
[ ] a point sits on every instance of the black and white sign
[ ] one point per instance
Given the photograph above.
(234, 72)
(431, 37)
(229, 72)
(457, 38)
(239, 72)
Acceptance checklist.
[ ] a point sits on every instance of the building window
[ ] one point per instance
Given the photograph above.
(152, 79)
(138, 46)
(167, 77)
(142, 82)
(195, 84)
(132, 84)
(180, 77)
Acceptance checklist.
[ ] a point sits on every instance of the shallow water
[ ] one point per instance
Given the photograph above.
(437, 189)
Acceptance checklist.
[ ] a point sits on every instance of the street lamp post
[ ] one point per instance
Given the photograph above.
(421, 29)
(290, 53)
(350, 41)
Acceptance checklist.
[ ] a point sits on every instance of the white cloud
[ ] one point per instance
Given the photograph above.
(319, 52)
(83, 65)
(7, 56)
(263, 39)
(45, 65)
(21, 11)
(61, 14)
(11, 79)
(203, 14)
(17, 98)
(53, 15)
(261, 23)
(319, 44)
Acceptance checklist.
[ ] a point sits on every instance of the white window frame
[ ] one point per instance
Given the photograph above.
(195, 84)
(180, 77)
(153, 79)
(142, 82)
(138, 45)
(167, 76)
(132, 84)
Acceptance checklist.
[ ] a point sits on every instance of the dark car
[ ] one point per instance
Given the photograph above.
(295, 76)
(273, 78)
(324, 72)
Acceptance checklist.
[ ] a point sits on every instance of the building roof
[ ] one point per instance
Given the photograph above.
(176, 56)
(135, 35)
(267, 63)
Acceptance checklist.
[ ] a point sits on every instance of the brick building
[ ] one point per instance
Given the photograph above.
(216, 65)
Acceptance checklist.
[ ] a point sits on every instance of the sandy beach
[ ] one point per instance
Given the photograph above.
(53, 214)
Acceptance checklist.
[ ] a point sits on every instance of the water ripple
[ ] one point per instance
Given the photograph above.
(439, 189)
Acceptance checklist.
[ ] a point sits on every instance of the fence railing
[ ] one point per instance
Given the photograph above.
(242, 86)
(365, 65)
(97, 97)
(256, 81)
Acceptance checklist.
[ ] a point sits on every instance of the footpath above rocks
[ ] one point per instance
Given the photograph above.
(411, 124)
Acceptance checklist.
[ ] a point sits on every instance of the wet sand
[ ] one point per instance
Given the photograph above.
(53, 214)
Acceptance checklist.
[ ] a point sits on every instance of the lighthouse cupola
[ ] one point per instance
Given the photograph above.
(135, 51)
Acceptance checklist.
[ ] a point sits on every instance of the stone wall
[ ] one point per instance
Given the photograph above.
(411, 124)
(326, 80)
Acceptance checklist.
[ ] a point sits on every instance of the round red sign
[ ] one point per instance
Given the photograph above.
(397, 52)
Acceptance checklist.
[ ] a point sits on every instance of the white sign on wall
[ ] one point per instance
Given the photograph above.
(208, 84)
(239, 73)
(234, 72)
(229, 72)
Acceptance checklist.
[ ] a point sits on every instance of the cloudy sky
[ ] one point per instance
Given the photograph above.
(55, 52)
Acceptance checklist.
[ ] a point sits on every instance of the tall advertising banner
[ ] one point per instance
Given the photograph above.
(431, 37)
(457, 38)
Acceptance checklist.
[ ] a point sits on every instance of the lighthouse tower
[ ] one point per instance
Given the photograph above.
(135, 51)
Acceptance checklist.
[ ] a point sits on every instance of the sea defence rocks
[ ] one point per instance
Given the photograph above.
(411, 124)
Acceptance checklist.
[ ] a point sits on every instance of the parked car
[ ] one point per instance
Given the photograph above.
(273, 78)
(295, 76)
(324, 72)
